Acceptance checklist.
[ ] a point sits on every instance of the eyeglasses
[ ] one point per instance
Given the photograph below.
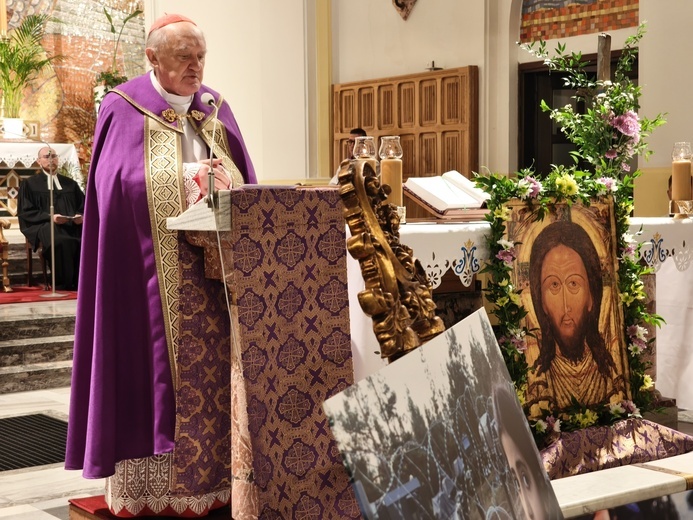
(50, 156)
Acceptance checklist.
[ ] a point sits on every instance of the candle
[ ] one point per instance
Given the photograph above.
(681, 180)
(3, 17)
(391, 174)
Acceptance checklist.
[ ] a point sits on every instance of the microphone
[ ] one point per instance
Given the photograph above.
(208, 99)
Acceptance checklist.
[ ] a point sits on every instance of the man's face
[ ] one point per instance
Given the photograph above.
(48, 160)
(566, 298)
(350, 145)
(179, 63)
(530, 495)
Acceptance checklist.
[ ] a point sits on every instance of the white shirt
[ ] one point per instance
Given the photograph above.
(56, 181)
(194, 148)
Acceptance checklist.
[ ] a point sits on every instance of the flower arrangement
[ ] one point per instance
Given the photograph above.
(607, 136)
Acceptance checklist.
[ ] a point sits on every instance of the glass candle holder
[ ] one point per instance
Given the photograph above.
(364, 147)
(390, 147)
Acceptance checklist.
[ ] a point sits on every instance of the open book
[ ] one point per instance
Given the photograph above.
(450, 194)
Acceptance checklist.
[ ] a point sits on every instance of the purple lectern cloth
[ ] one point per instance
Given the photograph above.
(122, 402)
(630, 441)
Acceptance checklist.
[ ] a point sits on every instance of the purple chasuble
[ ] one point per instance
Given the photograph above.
(122, 402)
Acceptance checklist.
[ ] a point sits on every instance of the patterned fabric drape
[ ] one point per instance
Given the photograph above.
(285, 266)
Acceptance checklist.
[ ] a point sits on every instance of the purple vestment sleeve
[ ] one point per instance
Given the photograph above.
(122, 402)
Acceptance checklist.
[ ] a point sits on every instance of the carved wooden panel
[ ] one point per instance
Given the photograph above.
(434, 113)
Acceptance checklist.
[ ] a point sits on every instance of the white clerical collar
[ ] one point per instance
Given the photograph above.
(56, 181)
(179, 103)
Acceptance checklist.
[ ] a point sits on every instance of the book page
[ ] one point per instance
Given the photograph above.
(440, 193)
(466, 185)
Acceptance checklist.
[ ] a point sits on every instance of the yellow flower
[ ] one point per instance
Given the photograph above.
(567, 185)
(502, 213)
(647, 382)
(515, 298)
(521, 396)
(588, 418)
(502, 301)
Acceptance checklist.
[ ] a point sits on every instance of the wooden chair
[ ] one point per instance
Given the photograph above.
(4, 254)
(30, 266)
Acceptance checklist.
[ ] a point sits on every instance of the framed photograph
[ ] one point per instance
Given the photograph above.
(440, 434)
(566, 268)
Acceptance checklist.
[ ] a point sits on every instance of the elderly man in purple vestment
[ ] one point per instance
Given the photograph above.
(150, 161)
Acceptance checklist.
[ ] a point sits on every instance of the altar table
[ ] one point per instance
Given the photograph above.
(461, 247)
(18, 160)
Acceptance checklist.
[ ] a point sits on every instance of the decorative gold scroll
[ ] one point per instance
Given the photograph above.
(398, 294)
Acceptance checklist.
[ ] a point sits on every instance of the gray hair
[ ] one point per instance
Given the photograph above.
(159, 38)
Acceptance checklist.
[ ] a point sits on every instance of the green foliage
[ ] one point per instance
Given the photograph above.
(22, 58)
(113, 77)
(606, 136)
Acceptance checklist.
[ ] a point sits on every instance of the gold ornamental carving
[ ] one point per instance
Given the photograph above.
(398, 294)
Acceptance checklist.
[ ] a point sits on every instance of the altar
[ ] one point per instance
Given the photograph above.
(461, 248)
(18, 160)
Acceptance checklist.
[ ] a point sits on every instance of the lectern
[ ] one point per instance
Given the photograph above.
(280, 252)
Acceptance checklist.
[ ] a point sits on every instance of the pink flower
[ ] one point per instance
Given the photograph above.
(610, 154)
(629, 250)
(519, 343)
(627, 124)
(553, 424)
(530, 187)
(506, 255)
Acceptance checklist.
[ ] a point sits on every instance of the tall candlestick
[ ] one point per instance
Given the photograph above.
(681, 180)
(391, 174)
(3, 18)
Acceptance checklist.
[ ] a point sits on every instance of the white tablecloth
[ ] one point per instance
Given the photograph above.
(462, 247)
(667, 248)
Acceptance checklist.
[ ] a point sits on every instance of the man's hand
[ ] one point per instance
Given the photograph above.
(59, 219)
(221, 177)
(77, 219)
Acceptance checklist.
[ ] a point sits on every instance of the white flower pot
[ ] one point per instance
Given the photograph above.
(99, 93)
(13, 128)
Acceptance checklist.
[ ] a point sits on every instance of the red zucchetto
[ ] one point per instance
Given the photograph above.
(168, 19)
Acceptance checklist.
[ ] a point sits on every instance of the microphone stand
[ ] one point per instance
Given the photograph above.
(52, 294)
(210, 176)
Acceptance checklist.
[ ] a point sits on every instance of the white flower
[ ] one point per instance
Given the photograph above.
(617, 409)
(505, 244)
(540, 426)
(628, 238)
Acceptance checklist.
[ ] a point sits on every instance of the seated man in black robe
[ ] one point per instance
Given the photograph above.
(33, 212)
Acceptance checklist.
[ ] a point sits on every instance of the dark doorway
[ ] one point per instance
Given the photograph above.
(541, 142)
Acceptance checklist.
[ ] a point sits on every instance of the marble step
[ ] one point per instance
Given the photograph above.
(37, 376)
(36, 350)
(39, 327)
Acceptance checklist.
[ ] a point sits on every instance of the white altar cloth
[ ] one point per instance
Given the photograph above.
(462, 247)
(667, 248)
(26, 152)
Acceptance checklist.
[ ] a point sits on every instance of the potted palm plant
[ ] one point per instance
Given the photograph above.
(22, 58)
(108, 79)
